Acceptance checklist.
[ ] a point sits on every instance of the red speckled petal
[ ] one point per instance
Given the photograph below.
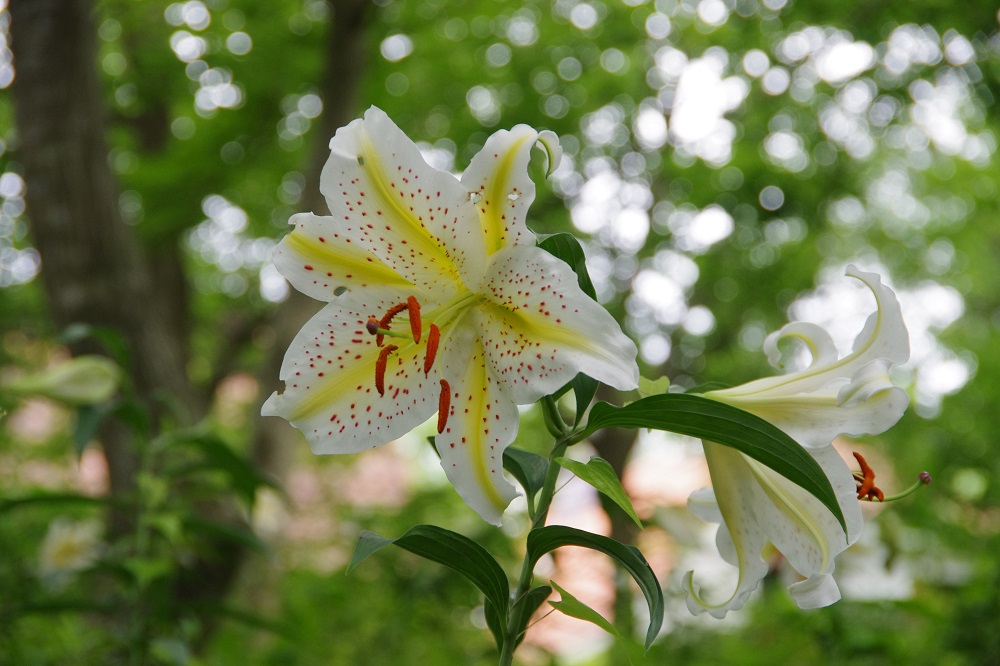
(329, 375)
(498, 176)
(318, 260)
(482, 422)
(418, 220)
(540, 329)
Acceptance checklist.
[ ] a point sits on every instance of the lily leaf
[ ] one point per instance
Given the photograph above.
(528, 468)
(567, 247)
(570, 605)
(701, 417)
(599, 473)
(525, 607)
(584, 390)
(456, 552)
(543, 540)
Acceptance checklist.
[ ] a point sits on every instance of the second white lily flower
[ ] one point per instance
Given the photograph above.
(756, 506)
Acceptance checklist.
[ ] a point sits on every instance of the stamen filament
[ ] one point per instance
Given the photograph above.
(380, 365)
(923, 479)
(444, 404)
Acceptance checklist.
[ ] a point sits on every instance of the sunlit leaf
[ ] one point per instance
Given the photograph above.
(701, 417)
(599, 473)
(543, 540)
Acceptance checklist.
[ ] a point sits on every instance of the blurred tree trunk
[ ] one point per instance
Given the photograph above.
(94, 270)
(344, 60)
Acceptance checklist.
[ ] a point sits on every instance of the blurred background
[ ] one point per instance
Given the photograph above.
(724, 161)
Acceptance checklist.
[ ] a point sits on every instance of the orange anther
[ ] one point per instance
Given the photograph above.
(414, 309)
(383, 360)
(866, 482)
(444, 404)
(433, 338)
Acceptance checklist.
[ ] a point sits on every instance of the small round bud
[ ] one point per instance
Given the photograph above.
(925, 478)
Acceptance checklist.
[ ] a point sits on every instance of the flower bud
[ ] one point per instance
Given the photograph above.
(84, 380)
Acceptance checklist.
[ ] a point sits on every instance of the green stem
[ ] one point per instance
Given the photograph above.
(545, 496)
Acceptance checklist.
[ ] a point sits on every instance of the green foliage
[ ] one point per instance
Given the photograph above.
(710, 420)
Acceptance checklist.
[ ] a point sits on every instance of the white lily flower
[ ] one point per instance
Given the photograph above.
(754, 504)
(479, 320)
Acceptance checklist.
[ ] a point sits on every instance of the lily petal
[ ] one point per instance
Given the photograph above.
(416, 219)
(482, 421)
(822, 350)
(541, 329)
(329, 375)
(758, 506)
(319, 261)
(852, 396)
(502, 190)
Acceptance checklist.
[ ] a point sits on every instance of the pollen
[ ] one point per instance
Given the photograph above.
(414, 311)
(866, 481)
(444, 404)
(433, 338)
(380, 365)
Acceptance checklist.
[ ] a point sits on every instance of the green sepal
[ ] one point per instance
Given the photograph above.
(698, 416)
(543, 540)
(599, 473)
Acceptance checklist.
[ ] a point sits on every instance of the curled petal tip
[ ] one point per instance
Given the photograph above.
(550, 142)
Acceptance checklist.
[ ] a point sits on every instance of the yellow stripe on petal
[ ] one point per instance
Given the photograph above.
(419, 239)
(495, 200)
(482, 421)
(351, 264)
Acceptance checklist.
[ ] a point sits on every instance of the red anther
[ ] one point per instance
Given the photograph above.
(414, 308)
(433, 337)
(866, 484)
(444, 404)
(383, 360)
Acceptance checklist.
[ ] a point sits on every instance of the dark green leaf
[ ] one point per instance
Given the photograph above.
(241, 535)
(546, 539)
(43, 498)
(697, 416)
(493, 622)
(243, 476)
(528, 468)
(567, 247)
(88, 420)
(584, 389)
(570, 605)
(525, 607)
(451, 549)
(599, 473)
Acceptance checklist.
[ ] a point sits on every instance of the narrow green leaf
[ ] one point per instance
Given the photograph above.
(216, 454)
(494, 623)
(570, 605)
(599, 473)
(567, 247)
(525, 607)
(451, 549)
(43, 498)
(88, 419)
(698, 416)
(584, 390)
(528, 468)
(546, 539)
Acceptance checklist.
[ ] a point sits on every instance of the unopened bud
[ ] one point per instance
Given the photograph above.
(925, 478)
(84, 380)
